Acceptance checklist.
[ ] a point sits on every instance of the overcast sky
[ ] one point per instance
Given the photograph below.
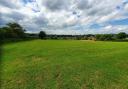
(67, 16)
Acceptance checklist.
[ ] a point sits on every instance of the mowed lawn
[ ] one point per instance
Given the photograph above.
(64, 64)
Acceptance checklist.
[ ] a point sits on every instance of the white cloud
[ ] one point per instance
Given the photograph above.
(63, 16)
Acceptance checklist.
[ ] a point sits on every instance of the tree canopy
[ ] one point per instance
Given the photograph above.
(121, 35)
(42, 35)
(12, 30)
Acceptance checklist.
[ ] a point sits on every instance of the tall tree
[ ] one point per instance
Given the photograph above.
(42, 35)
(15, 30)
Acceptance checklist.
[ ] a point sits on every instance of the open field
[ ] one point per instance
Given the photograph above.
(64, 64)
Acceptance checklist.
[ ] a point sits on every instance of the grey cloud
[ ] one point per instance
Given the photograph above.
(11, 17)
(98, 11)
(41, 21)
(7, 3)
(83, 4)
(35, 24)
(54, 5)
(94, 7)
(17, 16)
(2, 21)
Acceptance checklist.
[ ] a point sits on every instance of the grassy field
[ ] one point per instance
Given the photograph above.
(64, 64)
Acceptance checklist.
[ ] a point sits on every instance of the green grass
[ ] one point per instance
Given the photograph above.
(64, 64)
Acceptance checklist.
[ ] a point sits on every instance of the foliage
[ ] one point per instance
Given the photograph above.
(42, 35)
(121, 35)
(12, 30)
(104, 37)
(2, 34)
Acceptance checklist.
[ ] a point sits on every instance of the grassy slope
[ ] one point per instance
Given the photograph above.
(65, 65)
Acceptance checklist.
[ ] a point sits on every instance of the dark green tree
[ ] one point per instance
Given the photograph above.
(12, 30)
(42, 35)
(15, 30)
(2, 34)
(121, 35)
(104, 37)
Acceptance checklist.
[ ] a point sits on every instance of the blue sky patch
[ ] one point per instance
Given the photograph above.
(95, 26)
(119, 22)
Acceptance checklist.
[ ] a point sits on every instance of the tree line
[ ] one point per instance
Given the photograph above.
(98, 37)
(105, 37)
(16, 31)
